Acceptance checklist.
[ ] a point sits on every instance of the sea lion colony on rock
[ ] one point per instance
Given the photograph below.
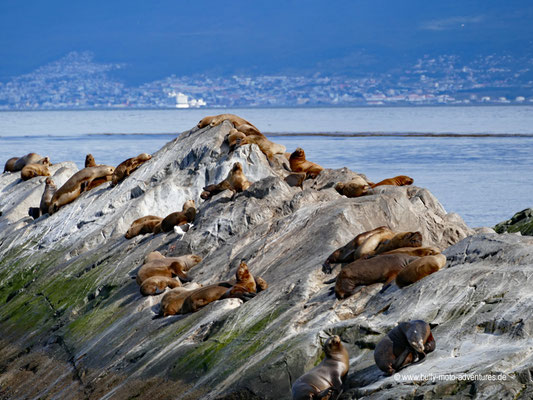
(378, 255)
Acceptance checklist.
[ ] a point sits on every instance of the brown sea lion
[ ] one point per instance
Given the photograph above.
(201, 297)
(187, 261)
(154, 255)
(172, 301)
(185, 216)
(415, 251)
(30, 158)
(260, 284)
(125, 168)
(354, 188)
(268, 147)
(89, 161)
(178, 265)
(326, 379)
(248, 130)
(215, 120)
(235, 139)
(407, 343)
(157, 285)
(142, 226)
(30, 171)
(161, 268)
(298, 163)
(400, 239)
(348, 253)
(245, 282)
(10, 164)
(379, 269)
(400, 180)
(49, 190)
(235, 181)
(76, 185)
(419, 269)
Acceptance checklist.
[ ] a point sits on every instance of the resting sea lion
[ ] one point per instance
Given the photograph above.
(400, 180)
(172, 301)
(326, 379)
(260, 284)
(187, 261)
(142, 226)
(125, 168)
(161, 268)
(354, 188)
(185, 216)
(49, 190)
(89, 161)
(235, 139)
(407, 343)
(76, 185)
(400, 239)
(419, 269)
(30, 171)
(30, 158)
(235, 181)
(248, 129)
(379, 269)
(201, 297)
(415, 251)
(215, 120)
(266, 146)
(157, 284)
(298, 163)
(10, 164)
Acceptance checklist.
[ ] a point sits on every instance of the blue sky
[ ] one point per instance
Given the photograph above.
(159, 37)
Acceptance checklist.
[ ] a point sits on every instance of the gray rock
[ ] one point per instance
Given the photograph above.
(74, 321)
(521, 222)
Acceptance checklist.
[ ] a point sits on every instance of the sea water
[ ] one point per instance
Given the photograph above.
(485, 179)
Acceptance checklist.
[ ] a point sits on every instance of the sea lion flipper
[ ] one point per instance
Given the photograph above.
(328, 394)
(333, 280)
(398, 363)
(225, 284)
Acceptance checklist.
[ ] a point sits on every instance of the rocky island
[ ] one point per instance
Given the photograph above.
(75, 326)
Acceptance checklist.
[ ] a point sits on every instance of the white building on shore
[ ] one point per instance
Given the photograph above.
(182, 101)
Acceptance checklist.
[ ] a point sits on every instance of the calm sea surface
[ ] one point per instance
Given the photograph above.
(484, 179)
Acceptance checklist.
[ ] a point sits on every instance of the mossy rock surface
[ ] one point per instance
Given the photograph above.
(520, 222)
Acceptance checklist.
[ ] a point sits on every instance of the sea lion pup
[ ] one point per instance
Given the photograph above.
(419, 269)
(400, 239)
(326, 379)
(161, 268)
(76, 185)
(214, 120)
(30, 158)
(400, 180)
(125, 168)
(347, 253)
(244, 285)
(298, 163)
(354, 188)
(405, 344)
(49, 190)
(415, 251)
(177, 218)
(10, 164)
(30, 171)
(158, 284)
(142, 226)
(379, 269)
(235, 181)
(89, 161)
(172, 301)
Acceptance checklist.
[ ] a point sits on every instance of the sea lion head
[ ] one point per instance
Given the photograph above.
(204, 122)
(89, 161)
(414, 239)
(45, 161)
(339, 186)
(416, 335)
(49, 181)
(332, 345)
(242, 273)
(237, 167)
(299, 153)
(196, 258)
(188, 204)
(406, 180)
(144, 157)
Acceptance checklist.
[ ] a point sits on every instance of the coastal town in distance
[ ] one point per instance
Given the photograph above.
(77, 81)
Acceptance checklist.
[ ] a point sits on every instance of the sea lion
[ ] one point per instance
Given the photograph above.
(49, 190)
(161, 268)
(348, 253)
(89, 161)
(235, 139)
(248, 129)
(235, 181)
(298, 163)
(400, 180)
(326, 379)
(245, 283)
(142, 226)
(415, 251)
(177, 218)
(187, 260)
(30, 158)
(10, 164)
(30, 171)
(379, 269)
(157, 284)
(405, 344)
(125, 168)
(214, 120)
(260, 284)
(419, 269)
(400, 239)
(354, 188)
(201, 297)
(266, 146)
(172, 301)
(76, 185)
